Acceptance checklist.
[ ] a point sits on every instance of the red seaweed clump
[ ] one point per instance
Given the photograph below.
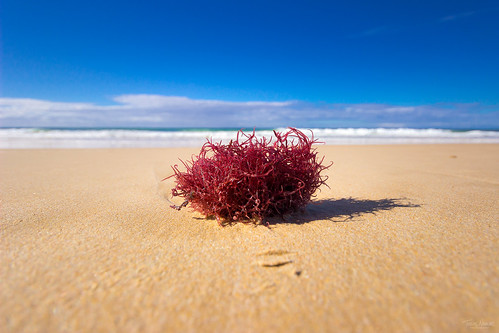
(250, 179)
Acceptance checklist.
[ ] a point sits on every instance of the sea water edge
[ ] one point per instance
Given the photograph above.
(43, 138)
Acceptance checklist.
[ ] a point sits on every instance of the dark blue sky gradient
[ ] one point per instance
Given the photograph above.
(394, 52)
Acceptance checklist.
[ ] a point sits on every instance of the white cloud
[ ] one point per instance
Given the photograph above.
(29, 106)
(138, 110)
(157, 101)
(176, 111)
(401, 109)
(456, 16)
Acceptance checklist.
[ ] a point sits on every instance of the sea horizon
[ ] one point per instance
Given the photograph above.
(151, 137)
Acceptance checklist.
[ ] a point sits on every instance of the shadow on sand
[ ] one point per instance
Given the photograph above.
(342, 210)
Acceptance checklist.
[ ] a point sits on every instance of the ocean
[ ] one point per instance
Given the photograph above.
(37, 138)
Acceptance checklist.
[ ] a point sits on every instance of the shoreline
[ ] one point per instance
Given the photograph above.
(199, 146)
(165, 138)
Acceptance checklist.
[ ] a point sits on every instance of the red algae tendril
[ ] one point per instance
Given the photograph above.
(251, 179)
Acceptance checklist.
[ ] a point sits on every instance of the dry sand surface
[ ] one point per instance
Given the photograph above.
(405, 240)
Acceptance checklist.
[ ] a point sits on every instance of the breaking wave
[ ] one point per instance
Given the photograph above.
(129, 138)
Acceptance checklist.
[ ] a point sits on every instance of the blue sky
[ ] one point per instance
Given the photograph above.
(250, 63)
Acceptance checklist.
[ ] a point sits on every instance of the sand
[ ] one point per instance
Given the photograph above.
(405, 240)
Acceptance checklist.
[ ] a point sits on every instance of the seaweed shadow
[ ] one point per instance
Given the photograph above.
(342, 210)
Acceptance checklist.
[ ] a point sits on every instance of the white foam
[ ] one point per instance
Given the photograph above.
(403, 135)
(121, 138)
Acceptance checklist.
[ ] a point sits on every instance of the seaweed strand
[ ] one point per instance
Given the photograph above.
(250, 179)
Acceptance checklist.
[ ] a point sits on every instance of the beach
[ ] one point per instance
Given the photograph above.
(405, 239)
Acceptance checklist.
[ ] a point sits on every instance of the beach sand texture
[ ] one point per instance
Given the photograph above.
(404, 240)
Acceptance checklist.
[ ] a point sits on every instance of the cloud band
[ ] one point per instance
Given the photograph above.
(175, 111)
